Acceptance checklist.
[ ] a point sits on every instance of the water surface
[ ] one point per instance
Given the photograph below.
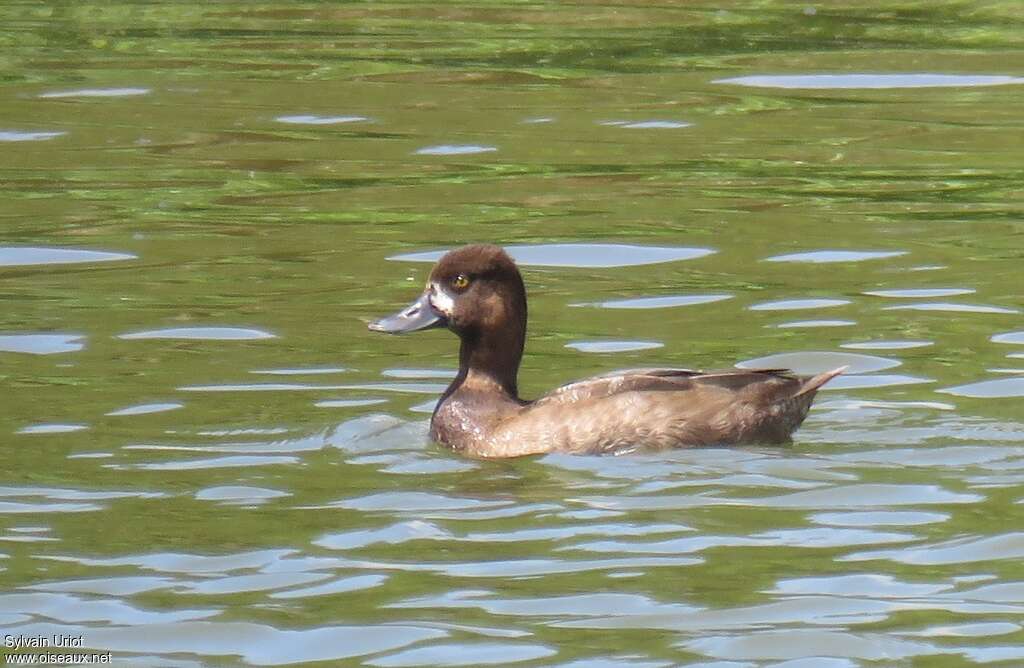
(209, 460)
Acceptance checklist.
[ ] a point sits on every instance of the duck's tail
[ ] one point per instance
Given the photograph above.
(811, 385)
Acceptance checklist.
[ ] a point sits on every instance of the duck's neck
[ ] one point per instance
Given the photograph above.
(491, 360)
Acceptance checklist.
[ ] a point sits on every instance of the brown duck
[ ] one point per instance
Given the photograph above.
(478, 293)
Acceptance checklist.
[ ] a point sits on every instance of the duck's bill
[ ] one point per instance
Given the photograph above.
(416, 316)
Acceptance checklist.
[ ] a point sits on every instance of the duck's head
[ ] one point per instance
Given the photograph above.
(474, 291)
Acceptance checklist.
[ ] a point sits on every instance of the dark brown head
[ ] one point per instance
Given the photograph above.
(476, 291)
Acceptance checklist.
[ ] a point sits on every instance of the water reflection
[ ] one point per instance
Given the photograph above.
(829, 256)
(952, 308)
(41, 344)
(657, 302)
(320, 120)
(798, 304)
(55, 428)
(21, 135)
(612, 346)
(301, 371)
(95, 92)
(989, 389)
(816, 323)
(21, 256)
(886, 345)
(202, 334)
(648, 125)
(1015, 338)
(870, 81)
(146, 409)
(582, 255)
(455, 149)
(818, 362)
(920, 293)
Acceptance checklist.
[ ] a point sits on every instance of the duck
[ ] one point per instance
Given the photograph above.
(478, 293)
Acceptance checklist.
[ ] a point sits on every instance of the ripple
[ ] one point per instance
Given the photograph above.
(259, 387)
(320, 120)
(60, 500)
(337, 586)
(800, 643)
(613, 346)
(184, 563)
(302, 371)
(886, 345)
(837, 497)
(657, 302)
(18, 135)
(816, 323)
(146, 409)
(861, 382)
(818, 362)
(1015, 338)
(980, 630)
(349, 403)
(415, 501)
(989, 389)
(239, 584)
(24, 256)
(239, 494)
(405, 388)
(465, 654)
(590, 256)
(202, 334)
(420, 373)
(41, 344)
(454, 149)
(394, 534)
(920, 293)
(425, 406)
(959, 551)
(238, 461)
(649, 125)
(870, 80)
(861, 404)
(859, 585)
(829, 256)
(18, 507)
(96, 92)
(951, 308)
(798, 304)
(256, 644)
(63, 493)
(52, 428)
(68, 608)
(879, 518)
(113, 586)
(805, 538)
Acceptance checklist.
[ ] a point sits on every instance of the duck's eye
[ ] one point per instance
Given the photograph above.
(460, 282)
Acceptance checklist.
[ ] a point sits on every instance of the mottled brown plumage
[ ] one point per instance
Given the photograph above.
(477, 292)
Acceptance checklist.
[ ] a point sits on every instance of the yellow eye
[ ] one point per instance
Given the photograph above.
(460, 282)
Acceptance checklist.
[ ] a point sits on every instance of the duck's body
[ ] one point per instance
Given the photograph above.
(625, 411)
(477, 291)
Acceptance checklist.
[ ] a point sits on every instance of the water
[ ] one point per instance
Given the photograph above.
(208, 459)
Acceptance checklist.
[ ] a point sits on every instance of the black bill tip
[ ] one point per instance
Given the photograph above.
(415, 317)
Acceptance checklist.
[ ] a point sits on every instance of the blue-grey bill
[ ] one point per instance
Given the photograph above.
(413, 318)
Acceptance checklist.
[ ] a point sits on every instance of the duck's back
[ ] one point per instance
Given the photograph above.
(658, 408)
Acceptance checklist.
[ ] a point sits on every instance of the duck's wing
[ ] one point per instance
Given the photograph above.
(660, 408)
(778, 382)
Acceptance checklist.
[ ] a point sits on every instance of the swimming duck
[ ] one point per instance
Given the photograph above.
(477, 292)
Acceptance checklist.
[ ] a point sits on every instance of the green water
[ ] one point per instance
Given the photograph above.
(208, 459)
